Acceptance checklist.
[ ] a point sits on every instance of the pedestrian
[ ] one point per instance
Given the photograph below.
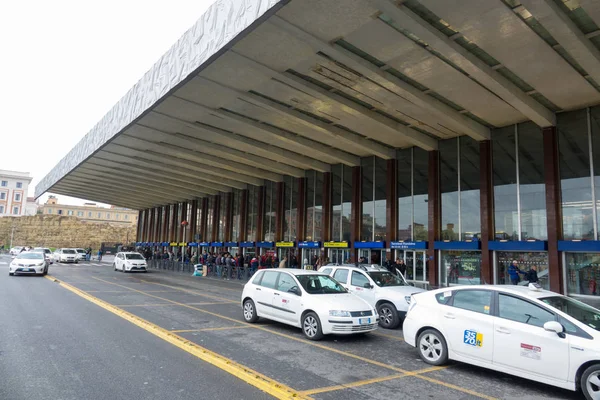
(229, 264)
(401, 267)
(306, 265)
(531, 275)
(253, 265)
(283, 262)
(513, 272)
(100, 255)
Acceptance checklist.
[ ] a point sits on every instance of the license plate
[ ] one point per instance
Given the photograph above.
(364, 321)
(25, 269)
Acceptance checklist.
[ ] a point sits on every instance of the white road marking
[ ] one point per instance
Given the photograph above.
(3, 263)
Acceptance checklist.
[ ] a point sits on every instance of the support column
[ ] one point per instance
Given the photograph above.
(434, 211)
(391, 204)
(301, 209)
(159, 227)
(152, 224)
(486, 204)
(356, 211)
(260, 220)
(243, 216)
(166, 214)
(193, 221)
(228, 223)
(183, 212)
(215, 219)
(280, 211)
(174, 214)
(553, 208)
(138, 229)
(327, 208)
(203, 220)
(146, 225)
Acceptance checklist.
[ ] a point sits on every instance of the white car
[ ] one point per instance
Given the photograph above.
(309, 300)
(388, 293)
(28, 263)
(519, 330)
(81, 254)
(65, 256)
(15, 250)
(130, 261)
(46, 251)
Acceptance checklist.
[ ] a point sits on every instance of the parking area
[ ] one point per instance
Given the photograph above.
(206, 312)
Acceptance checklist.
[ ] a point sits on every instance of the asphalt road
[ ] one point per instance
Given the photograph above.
(57, 344)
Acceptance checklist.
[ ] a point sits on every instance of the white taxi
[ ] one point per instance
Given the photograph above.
(390, 294)
(519, 330)
(309, 300)
(128, 261)
(28, 263)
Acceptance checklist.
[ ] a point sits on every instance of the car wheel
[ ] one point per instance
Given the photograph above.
(115, 266)
(250, 311)
(388, 316)
(432, 347)
(590, 382)
(11, 274)
(45, 271)
(311, 326)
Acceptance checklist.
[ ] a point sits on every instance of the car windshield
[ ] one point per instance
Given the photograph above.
(133, 257)
(386, 278)
(30, 256)
(583, 313)
(68, 251)
(320, 284)
(82, 251)
(37, 250)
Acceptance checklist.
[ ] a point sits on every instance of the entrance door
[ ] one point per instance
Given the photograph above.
(290, 253)
(373, 256)
(309, 258)
(525, 261)
(339, 256)
(416, 266)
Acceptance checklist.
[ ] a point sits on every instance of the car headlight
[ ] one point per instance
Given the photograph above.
(39, 264)
(412, 305)
(407, 299)
(339, 313)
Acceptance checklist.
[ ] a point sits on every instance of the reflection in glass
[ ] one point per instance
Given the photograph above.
(525, 261)
(531, 182)
(448, 150)
(583, 273)
(368, 169)
(336, 201)
(469, 189)
(421, 193)
(310, 204)
(404, 192)
(575, 175)
(270, 211)
(380, 222)
(505, 183)
(460, 268)
(252, 213)
(209, 217)
(595, 125)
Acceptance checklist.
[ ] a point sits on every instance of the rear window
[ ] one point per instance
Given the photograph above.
(444, 297)
(68, 251)
(81, 251)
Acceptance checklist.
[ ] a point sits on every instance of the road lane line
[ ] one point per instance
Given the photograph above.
(214, 280)
(248, 375)
(370, 381)
(222, 328)
(127, 291)
(312, 343)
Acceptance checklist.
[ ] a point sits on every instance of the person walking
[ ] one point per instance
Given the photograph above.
(100, 255)
(531, 275)
(283, 262)
(513, 272)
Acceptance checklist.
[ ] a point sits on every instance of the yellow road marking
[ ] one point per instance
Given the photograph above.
(312, 343)
(369, 381)
(387, 336)
(222, 328)
(250, 376)
(127, 291)
(165, 304)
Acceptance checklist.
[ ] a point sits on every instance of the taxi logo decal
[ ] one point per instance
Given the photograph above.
(473, 338)
(531, 351)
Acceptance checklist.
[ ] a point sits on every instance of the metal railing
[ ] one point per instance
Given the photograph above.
(212, 270)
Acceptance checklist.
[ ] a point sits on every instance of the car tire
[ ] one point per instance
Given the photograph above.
(45, 271)
(311, 326)
(11, 274)
(432, 347)
(249, 311)
(590, 382)
(115, 266)
(388, 316)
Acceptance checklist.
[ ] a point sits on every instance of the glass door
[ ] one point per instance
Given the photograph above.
(416, 266)
(310, 257)
(339, 256)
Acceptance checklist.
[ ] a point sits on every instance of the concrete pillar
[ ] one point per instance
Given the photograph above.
(301, 209)
(260, 221)
(215, 220)
(434, 213)
(356, 211)
(486, 204)
(243, 217)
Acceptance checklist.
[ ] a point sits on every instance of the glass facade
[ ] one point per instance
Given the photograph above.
(314, 206)
(575, 175)
(374, 174)
(459, 186)
(595, 133)
(235, 224)
(412, 192)
(270, 211)
(221, 235)
(583, 273)
(460, 268)
(526, 261)
(291, 208)
(209, 218)
(252, 220)
(342, 202)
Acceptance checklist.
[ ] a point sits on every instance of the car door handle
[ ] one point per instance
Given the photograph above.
(276, 294)
(449, 316)
(257, 288)
(503, 330)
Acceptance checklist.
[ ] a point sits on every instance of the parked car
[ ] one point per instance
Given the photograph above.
(30, 263)
(519, 330)
(65, 256)
(15, 250)
(130, 261)
(309, 300)
(390, 294)
(46, 251)
(81, 254)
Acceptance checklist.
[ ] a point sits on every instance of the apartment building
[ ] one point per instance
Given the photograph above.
(90, 212)
(13, 193)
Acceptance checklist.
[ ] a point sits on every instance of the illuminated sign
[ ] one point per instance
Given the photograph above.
(337, 245)
(285, 244)
(174, 244)
(309, 245)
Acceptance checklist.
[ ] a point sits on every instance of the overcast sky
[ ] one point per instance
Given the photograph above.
(66, 63)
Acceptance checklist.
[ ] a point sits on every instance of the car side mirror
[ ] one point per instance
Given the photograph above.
(368, 286)
(556, 327)
(295, 290)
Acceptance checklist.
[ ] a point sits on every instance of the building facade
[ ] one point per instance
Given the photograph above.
(90, 212)
(13, 193)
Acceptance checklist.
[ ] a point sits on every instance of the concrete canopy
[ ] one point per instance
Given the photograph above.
(259, 89)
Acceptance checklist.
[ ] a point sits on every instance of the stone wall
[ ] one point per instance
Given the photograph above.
(62, 231)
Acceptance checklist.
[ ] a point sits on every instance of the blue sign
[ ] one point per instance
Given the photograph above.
(193, 244)
(409, 245)
(265, 244)
(456, 245)
(589, 246)
(138, 243)
(204, 244)
(216, 244)
(165, 244)
(231, 244)
(369, 245)
(518, 245)
(247, 244)
(309, 245)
